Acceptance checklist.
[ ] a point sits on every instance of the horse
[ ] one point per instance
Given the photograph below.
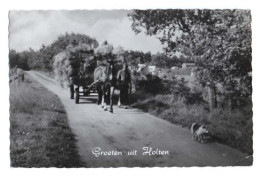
(105, 76)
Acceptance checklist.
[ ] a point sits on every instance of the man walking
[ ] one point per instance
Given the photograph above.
(124, 80)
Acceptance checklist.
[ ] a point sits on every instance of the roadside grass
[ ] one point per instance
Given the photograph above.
(233, 128)
(39, 132)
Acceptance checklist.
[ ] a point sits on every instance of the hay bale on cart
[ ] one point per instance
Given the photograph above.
(75, 67)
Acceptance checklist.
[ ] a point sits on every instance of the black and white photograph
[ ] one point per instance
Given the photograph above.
(130, 88)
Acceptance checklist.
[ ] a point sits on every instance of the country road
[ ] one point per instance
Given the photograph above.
(131, 129)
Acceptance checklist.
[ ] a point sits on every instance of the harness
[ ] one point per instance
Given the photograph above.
(111, 76)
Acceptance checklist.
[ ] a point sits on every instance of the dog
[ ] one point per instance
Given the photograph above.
(198, 131)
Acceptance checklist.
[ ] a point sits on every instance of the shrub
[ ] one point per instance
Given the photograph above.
(153, 85)
(178, 88)
(233, 128)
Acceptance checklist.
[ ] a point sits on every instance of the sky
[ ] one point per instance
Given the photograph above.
(34, 28)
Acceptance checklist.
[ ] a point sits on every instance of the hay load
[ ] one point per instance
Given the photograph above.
(107, 53)
(104, 53)
(75, 65)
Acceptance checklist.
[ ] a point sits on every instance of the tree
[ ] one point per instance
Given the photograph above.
(219, 41)
(18, 59)
(13, 58)
(161, 60)
(136, 57)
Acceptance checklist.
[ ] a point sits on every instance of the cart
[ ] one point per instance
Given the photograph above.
(86, 90)
(80, 78)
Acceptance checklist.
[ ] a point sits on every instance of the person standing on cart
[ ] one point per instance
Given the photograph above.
(125, 86)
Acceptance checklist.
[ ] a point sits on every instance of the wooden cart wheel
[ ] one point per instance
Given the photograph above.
(77, 96)
(86, 92)
(72, 91)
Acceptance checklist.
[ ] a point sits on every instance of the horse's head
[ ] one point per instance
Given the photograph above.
(110, 69)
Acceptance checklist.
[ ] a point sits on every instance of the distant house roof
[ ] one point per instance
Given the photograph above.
(141, 65)
(189, 64)
(152, 68)
(173, 68)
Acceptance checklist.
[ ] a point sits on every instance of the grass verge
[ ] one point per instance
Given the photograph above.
(233, 128)
(39, 132)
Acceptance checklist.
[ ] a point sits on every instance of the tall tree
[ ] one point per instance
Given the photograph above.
(219, 41)
(13, 58)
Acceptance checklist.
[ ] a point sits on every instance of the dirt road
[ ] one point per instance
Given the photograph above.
(131, 129)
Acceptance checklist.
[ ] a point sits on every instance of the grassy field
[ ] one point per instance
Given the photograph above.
(233, 128)
(39, 132)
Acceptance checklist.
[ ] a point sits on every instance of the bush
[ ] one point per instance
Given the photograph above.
(153, 85)
(234, 128)
(175, 101)
(170, 108)
(154, 105)
(178, 88)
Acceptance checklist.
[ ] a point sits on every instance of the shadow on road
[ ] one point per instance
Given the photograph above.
(128, 112)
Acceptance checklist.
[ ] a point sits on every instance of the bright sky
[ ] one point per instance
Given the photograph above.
(34, 28)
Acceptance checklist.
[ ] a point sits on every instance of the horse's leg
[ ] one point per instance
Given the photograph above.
(119, 99)
(103, 101)
(77, 95)
(99, 101)
(22, 77)
(104, 98)
(122, 94)
(111, 98)
(99, 98)
(102, 95)
(126, 96)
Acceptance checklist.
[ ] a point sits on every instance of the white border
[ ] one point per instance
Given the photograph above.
(121, 4)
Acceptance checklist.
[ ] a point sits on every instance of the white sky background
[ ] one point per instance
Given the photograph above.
(34, 28)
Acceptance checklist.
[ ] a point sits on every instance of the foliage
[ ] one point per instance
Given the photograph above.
(136, 57)
(219, 41)
(161, 60)
(13, 58)
(233, 128)
(155, 85)
(43, 58)
(152, 84)
(17, 59)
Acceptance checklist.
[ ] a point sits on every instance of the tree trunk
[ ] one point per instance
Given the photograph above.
(212, 97)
